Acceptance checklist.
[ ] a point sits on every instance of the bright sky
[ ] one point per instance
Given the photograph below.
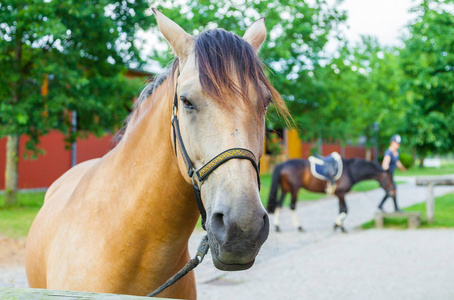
(384, 19)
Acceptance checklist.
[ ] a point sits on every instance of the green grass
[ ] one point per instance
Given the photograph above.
(416, 171)
(443, 217)
(16, 221)
(368, 185)
(365, 185)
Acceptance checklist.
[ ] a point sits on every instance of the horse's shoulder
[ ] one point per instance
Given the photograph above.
(68, 181)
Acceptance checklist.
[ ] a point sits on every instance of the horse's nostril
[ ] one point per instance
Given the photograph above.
(266, 220)
(217, 221)
(263, 234)
(219, 226)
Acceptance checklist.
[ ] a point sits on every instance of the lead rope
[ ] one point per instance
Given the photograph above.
(198, 258)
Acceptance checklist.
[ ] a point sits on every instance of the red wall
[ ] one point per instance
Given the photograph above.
(56, 160)
(349, 151)
(306, 150)
(330, 148)
(93, 147)
(355, 151)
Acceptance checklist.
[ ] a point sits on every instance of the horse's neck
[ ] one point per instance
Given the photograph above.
(159, 198)
(358, 174)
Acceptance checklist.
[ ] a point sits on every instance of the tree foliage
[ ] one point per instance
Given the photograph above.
(81, 48)
(428, 64)
(356, 88)
(60, 56)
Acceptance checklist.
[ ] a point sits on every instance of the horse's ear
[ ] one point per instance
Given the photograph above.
(180, 41)
(256, 34)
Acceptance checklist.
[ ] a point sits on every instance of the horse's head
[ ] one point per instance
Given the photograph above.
(222, 96)
(386, 182)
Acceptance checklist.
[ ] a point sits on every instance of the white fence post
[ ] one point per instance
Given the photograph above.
(430, 204)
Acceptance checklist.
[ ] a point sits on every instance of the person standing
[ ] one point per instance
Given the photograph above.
(390, 162)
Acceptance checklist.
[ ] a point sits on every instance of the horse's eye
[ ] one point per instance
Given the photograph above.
(186, 103)
(267, 102)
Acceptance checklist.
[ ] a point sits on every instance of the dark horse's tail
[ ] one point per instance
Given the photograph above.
(271, 206)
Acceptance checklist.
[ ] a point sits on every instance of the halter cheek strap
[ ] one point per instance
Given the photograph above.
(201, 174)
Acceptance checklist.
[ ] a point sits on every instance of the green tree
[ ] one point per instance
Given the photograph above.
(297, 34)
(381, 97)
(355, 88)
(78, 48)
(428, 64)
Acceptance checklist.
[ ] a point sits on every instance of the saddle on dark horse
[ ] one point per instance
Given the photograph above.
(327, 168)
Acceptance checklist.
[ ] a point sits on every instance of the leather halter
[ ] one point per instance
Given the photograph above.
(201, 174)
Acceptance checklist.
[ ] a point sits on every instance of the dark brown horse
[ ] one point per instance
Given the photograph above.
(294, 174)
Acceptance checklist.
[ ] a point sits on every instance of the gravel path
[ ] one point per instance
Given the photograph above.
(372, 264)
(322, 264)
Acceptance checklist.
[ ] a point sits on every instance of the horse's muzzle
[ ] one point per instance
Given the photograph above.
(231, 267)
(234, 246)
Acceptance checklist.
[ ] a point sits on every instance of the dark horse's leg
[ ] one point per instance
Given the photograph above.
(391, 194)
(339, 223)
(293, 209)
(277, 212)
(396, 207)
(380, 206)
(394, 195)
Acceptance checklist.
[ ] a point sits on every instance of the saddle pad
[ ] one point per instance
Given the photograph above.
(318, 170)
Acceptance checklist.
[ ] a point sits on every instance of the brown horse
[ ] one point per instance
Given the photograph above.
(121, 223)
(294, 174)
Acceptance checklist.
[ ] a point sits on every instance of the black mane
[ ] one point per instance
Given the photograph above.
(362, 169)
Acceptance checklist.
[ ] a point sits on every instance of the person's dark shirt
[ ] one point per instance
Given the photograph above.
(393, 161)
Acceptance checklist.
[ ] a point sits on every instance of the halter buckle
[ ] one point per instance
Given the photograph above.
(198, 181)
(203, 248)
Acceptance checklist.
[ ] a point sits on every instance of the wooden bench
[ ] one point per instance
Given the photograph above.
(430, 182)
(414, 218)
(26, 294)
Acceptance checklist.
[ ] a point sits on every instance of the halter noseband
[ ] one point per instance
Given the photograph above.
(201, 174)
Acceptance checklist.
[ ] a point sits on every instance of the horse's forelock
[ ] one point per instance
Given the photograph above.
(223, 59)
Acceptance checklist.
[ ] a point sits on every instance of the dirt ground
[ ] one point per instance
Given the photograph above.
(12, 252)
